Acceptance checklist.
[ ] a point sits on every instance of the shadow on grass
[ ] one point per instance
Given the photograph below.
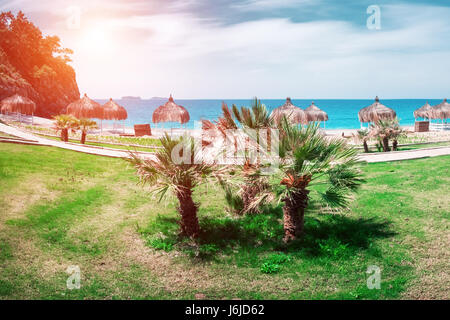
(251, 236)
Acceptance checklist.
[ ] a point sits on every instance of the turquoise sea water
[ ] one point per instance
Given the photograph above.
(342, 113)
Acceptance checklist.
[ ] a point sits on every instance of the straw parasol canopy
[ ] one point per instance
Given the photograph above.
(375, 112)
(313, 113)
(293, 113)
(170, 112)
(441, 111)
(18, 104)
(85, 108)
(424, 111)
(114, 111)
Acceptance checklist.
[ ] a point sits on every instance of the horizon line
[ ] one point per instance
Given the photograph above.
(163, 98)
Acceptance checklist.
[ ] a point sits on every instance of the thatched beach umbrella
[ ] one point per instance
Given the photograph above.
(423, 112)
(441, 111)
(114, 111)
(293, 113)
(313, 113)
(170, 112)
(19, 104)
(85, 108)
(375, 112)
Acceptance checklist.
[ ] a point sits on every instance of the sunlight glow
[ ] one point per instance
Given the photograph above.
(97, 40)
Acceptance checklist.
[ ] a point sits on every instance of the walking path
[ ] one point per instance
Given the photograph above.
(28, 138)
(405, 155)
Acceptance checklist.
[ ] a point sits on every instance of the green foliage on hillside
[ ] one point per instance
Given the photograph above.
(35, 65)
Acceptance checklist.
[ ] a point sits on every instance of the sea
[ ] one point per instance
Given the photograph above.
(342, 114)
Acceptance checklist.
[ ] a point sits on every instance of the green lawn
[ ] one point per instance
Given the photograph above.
(60, 208)
(373, 148)
(101, 144)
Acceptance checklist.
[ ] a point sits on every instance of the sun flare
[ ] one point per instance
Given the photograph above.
(97, 39)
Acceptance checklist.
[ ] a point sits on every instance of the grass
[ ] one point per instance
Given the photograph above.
(143, 141)
(6, 135)
(60, 208)
(372, 148)
(107, 145)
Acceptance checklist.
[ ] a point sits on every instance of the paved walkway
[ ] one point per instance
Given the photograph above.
(405, 155)
(37, 140)
(108, 152)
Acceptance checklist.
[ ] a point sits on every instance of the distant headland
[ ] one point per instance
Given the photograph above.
(131, 98)
(158, 98)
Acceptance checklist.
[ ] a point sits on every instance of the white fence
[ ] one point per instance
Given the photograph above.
(439, 126)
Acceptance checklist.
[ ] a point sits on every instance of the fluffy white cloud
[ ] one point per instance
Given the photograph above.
(261, 5)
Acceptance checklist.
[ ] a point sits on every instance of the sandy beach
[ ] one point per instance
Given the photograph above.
(118, 129)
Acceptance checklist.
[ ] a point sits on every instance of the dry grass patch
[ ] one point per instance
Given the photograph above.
(432, 264)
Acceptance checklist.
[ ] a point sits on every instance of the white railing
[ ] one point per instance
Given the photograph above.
(439, 126)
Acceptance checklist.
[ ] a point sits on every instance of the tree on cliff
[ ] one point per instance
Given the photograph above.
(35, 65)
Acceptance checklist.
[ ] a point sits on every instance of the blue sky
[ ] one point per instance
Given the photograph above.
(242, 48)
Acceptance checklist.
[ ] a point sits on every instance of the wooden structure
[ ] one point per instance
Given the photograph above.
(142, 130)
(422, 126)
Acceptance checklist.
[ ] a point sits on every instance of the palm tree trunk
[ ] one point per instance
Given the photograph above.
(83, 137)
(188, 211)
(249, 192)
(293, 214)
(386, 145)
(395, 145)
(366, 147)
(64, 135)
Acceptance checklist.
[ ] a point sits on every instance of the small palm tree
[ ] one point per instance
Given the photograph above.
(168, 172)
(65, 123)
(309, 158)
(386, 130)
(396, 132)
(382, 131)
(363, 135)
(251, 120)
(84, 125)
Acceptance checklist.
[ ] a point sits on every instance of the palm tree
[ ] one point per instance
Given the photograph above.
(84, 125)
(65, 123)
(386, 130)
(396, 132)
(179, 175)
(309, 158)
(251, 120)
(382, 131)
(363, 135)
(255, 117)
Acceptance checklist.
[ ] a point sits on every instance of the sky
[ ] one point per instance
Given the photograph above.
(217, 49)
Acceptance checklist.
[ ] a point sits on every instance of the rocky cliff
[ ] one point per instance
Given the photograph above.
(35, 66)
